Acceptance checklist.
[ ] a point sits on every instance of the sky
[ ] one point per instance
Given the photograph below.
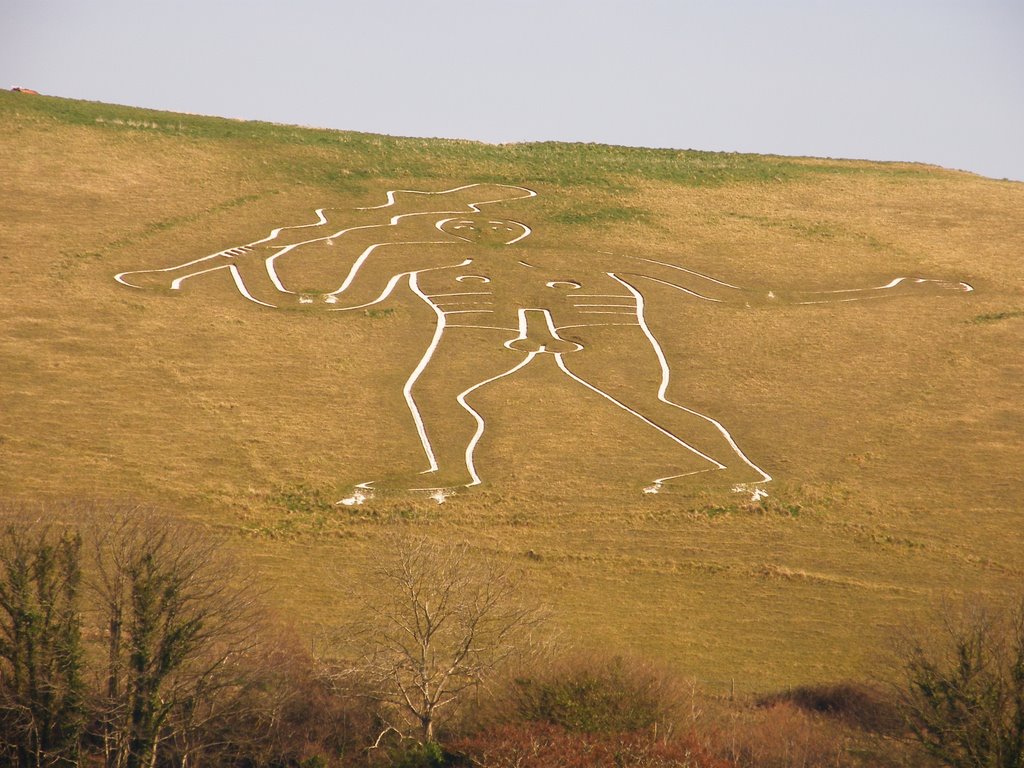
(935, 81)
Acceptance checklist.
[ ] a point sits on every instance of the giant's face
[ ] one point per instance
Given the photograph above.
(483, 230)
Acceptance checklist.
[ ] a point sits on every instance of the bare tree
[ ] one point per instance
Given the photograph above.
(42, 690)
(175, 619)
(962, 687)
(440, 623)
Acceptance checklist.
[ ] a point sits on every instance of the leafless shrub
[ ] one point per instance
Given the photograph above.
(283, 712)
(440, 624)
(781, 736)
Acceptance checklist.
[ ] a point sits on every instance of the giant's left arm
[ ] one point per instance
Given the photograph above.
(707, 288)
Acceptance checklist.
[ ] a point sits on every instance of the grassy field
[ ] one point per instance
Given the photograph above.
(894, 428)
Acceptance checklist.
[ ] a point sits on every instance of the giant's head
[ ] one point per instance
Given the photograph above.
(484, 230)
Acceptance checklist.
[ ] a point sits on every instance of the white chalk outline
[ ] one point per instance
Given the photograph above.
(666, 380)
(461, 400)
(867, 293)
(439, 225)
(635, 309)
(473, 206)
(231, 252)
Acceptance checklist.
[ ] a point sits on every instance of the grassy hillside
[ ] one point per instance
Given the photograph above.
(892, 427)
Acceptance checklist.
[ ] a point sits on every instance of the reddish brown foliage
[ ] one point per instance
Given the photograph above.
(783, 736)
(540, 745)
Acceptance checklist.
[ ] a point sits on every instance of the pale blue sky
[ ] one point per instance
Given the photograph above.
(937, 81)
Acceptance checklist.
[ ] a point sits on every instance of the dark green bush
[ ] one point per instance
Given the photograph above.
(857, 704)
(429, 755)
(603, 696)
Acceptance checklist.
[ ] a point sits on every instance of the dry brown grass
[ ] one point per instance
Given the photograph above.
(893, 428)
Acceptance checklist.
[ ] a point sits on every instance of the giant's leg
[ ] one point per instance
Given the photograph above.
(627, 366)
(439, 393)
